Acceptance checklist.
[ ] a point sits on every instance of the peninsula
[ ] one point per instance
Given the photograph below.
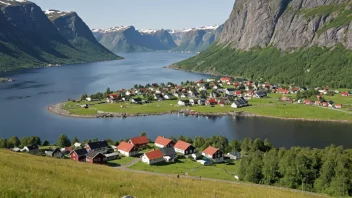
(214, 97)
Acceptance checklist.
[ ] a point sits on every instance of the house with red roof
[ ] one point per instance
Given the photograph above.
(214, 154)
(140, 142)
(238, 93)
(162, 142)
(338, 106)
(153, 157)
(325, 104)
(127, 149)
(307, 102)
(236, 84)
(345, 93)
(283, 91)
(211, 101)
(225, 79)
(184, 148)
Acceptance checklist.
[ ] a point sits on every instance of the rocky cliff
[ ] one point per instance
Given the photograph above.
(288, 24)
(195, 39)
(307, 42)
(29, 39)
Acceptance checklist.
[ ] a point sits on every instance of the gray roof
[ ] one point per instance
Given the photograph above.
(80, 152)
(92, 154)
(97, 145)
(168, 151)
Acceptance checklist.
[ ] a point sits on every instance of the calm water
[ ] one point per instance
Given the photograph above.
(23, 107)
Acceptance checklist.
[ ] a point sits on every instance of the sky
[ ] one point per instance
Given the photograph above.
(145, 14)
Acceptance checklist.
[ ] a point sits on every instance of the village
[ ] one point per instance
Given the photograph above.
(221, 95)
(135, 152)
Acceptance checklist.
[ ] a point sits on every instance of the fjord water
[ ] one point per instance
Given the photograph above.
(23, 107)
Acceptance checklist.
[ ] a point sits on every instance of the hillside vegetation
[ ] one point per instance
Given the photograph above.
(314, 66)
(23, 175)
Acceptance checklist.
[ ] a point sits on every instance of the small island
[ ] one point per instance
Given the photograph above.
(215, 97)
(3, 80)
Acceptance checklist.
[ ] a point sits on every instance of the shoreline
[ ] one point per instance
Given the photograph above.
(58, 110)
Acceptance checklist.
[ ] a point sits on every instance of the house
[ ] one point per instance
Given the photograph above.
(331, 103)
(55, 153)
(260, 94)
(158, 97)
(162, 142)
(100, 146)
(33, 149)
(235, 105)
(234, 155)
(169, 154)
(241, 102)
(196, 156)
(95, 157)
(283, 91)
(112, 156)
(317, 103)
(184, 148)
(225, 79)
(77, 144)
(140, 142)
(230, 91)
(78, 155)
(210, 80)
(127, 149)
(238, 93)
(153, 157)
(338, 106)
(136, 101)
(307, 102)
(66, 150)
(202, 101)
(183, 102)
(211, 101)
(345, 93)
(214, 154)
(325, 104)
(236, 84)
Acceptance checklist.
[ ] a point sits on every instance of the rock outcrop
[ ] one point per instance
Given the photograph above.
(288, 24)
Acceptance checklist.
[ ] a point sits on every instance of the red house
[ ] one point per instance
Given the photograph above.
(211, 101)
(162, 142)
(307, 102)
(236, 84)
(78, 155)
(225, 79)
(95, 157)
(345, 93)
(140, 142)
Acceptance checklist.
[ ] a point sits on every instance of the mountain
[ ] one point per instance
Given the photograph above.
(196, 39)
(28, 39)
(128, 39)
(74, 29)
(285, 41)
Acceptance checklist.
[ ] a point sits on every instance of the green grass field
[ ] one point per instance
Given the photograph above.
(270, 106)
(122, 161)
(23, 175)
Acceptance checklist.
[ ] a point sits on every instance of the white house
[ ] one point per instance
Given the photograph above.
(181, 103)
(128, 93)
(162, 142)
(127, 149)
(230, 92)
(210, 80)
(153, 157)
(234, 105)
(214, 154)
(77, 144)
(184, 148)
(89, 99)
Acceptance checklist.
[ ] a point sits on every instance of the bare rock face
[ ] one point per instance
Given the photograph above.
(287, 24)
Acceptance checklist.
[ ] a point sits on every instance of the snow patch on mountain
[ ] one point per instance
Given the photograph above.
(113, 29)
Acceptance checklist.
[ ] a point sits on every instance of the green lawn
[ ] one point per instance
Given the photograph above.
(122, 161)
(217, 171)
(181, 166)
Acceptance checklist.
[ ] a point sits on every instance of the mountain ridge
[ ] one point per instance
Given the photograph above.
(283, 41)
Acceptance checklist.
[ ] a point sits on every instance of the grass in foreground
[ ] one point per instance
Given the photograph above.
(23, 175)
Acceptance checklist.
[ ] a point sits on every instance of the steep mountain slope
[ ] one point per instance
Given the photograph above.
(158, 39)
(128, 39)
(73, 28)
(285, 41)
(197, 39)
(28, 39)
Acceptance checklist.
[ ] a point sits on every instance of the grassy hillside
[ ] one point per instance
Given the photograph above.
(314, 66)
(23, 175)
